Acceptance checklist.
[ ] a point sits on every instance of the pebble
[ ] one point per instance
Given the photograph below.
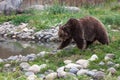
(74, 70)
(110, 64)
(7, 65)
(112, 70)
(32, 77)
(83, 63)
(29, 73)
(70, 65)
(93, 57)
(101, 63)
(51, 76)
(1, 60)
(99, 75)
(34, 68)
(67, 61)
(62, 74)
(24, 65)
(82, 72)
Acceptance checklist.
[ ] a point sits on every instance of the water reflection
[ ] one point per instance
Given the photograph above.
(13, 47)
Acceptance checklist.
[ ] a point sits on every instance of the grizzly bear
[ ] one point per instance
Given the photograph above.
(83, 31)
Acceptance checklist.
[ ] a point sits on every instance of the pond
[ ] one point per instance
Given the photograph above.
(10, 47)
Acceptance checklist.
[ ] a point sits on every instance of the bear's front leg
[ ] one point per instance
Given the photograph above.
(64, 43)
(81, 43)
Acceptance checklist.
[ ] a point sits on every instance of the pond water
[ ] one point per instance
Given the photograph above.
(13, 47)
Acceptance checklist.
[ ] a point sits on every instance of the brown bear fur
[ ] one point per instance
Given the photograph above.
(83, 31)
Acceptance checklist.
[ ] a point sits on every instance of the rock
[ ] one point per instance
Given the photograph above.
(7, 65)
(93, 57)
(43, 66)
(34, 68)
(90, 73)
(42, 76)
(118, 78)
(60, 69)
(67, 61)
(1, 60)
(74, 70)
(8, 6)
(71, 65)
(13, 58)
(109, 56)
(24, 65)
(62, 74)
(117, 65)
(99, 75)
(71, 76)
(48, 72)
(112, 70)
(41, 54)
(83, 63)
(51, 76)
(32, 77)
(82, 72)
(31, 57)
(29, 73)
(73, 9)
(101, 63)
(110, 64)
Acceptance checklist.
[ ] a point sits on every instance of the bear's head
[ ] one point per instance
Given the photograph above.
(65, 31)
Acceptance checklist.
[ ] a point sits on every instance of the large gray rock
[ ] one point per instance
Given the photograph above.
(8, 6)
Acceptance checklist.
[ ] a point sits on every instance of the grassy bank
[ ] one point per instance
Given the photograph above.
(55, 15)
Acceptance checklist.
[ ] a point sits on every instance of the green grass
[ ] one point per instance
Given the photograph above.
(56, 14)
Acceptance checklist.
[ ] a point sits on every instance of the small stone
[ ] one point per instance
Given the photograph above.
(93, 57)
(32, 77)
(34, 68)
(7, 65)
(67, 61)
(112, 70)
(117, 65)
(48, 72)
(90, 73)
(118, 78)
(41, 54)
(110, 64)
(24, 65)
(70, 65)
(101, 63)
(51, 76)
(1, 60)
(109, 56)
(106, 58)
(82, 72)
(41, 76)
(31, 57)
(99, 75)
(29, 73)
(62, 74)
(83, 63)
(74, 70)
(43, 66)
(60, 69)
